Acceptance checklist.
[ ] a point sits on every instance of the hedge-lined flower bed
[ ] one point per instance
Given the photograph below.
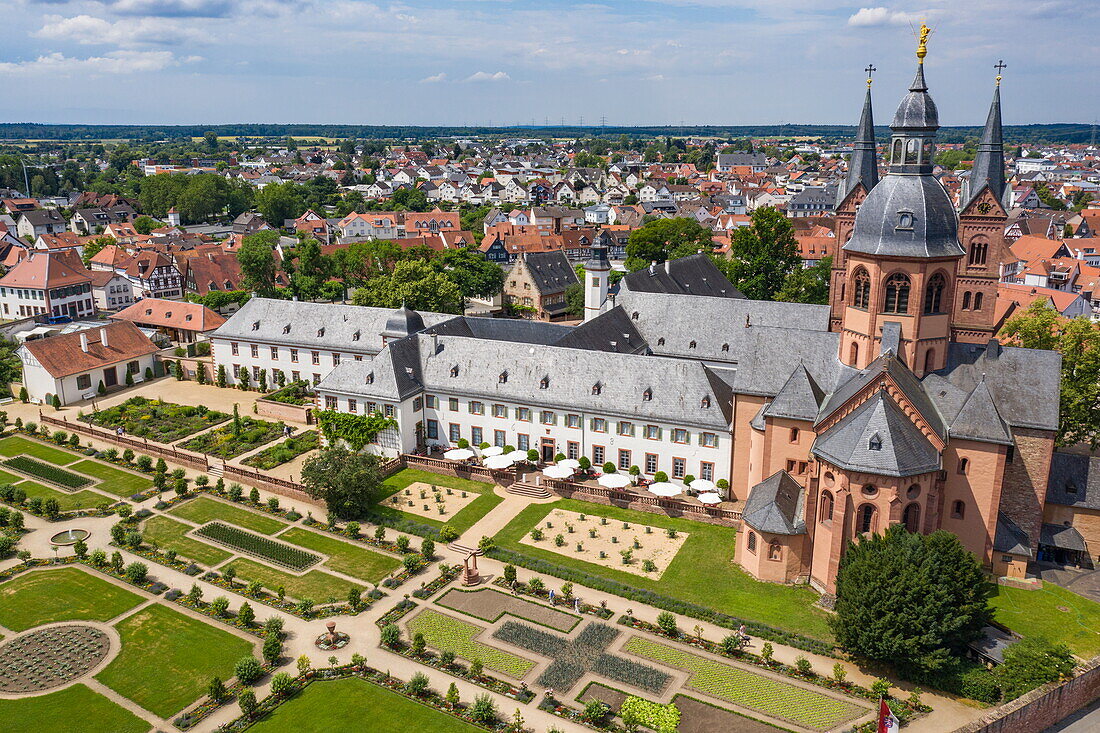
(48, 472)
(268, 599)
(457, 669)
(446, 575)
(191, 718)
(164, 422)
(288, 450)
(387, 545)
(294, 393)
(229, 442)
(663, 602)
(395, 614)
(600, 611)
(903, 709)
(7, 496)
(266, 548)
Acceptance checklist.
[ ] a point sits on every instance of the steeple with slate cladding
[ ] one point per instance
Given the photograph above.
(982, 219)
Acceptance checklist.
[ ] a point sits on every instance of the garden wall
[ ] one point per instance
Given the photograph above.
(1043, 707)
(283, 412)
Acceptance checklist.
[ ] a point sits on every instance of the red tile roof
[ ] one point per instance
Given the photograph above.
(47, 269)
(170, 314)
(63, 356)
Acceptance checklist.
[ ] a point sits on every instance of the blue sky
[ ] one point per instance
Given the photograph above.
(514, 61)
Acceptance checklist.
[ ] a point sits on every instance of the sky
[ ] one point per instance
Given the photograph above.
(506, 62)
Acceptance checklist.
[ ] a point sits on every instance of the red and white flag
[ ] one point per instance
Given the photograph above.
(887, 723)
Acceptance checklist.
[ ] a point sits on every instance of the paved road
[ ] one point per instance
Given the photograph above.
(1084, 721)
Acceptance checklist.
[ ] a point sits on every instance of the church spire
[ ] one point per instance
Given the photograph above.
(989, 163)
(863, 165)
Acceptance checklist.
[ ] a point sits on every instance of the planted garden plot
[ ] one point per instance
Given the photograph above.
(634, 548)
(232, 440)
(165, 422)
(446, 633)
(432, 501)
(265, 548)
(748, 689)
(573, 658)
(48, 472)
(489, 605)
(288, 450)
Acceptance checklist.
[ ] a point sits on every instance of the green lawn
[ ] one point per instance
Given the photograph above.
(114, 480)
(74, 709)
(169, 535)
(344, 557)
(447, 633)
(1039, 613)
(15, 445)
(204, 509)
(749, 689)
(353, 704)
(462, 521)
(45, 596)
(84, 499)
(703, 571)
(315, 585)
(167, 659)
(10, 478)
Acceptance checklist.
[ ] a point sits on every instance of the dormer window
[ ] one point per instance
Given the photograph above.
(255, 325)
(634, 316)
(187, 317)
(286, 328)
(1071, 489)
(647, 395)
(725, 347)
(320, 332)
(875, 443)
(370, 378)
(503, 377)
(149, 312)
(905, 221)
(168, 314)
(691, 345)
(705, 402)
(544, 383)
(661, 341)
(597, 388)
(355, 336)
(454, 370)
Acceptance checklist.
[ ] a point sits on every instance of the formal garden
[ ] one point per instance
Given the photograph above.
(164, 422)
(285, 451)
(242, 435)
(483, 499)
(432, 501)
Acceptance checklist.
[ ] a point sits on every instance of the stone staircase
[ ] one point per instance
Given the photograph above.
(528, 490)
(217, 469)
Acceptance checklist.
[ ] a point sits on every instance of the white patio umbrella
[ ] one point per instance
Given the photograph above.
(613, 480)
(498, 462)
(664, 488)
(710, 498)
(702, 484)
(493, 450)
(557, 471)
(458, 454)
(570, 463)
(517, 456)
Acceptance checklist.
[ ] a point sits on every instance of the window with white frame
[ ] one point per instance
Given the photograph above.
(476, 408)
(708, 440)
(679, 435)
(573, 421)
(651, 463)
(523, 413)
(599, 425)
(679, 467)
(652, 432)
(546, 417)
(500, 411)
(624, 460)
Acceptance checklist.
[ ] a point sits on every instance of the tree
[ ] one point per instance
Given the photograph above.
(1078, 341)
(910, 600)
(391, 635)
(483, 709)
(245, 615)
(256, 256)
(666, 239)
(1031, 662)
(278, 202)
(95, 246)
(574, 299)
(475, 276)
(142, 225)
(808, 284)
(414, 284)
(246, 698)
(248, 670)
(216, 689)
(417, 684)
(348, 482)
(272, 649)
(763, 254)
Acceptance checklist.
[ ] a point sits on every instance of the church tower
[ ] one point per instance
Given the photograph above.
(597, 275)
(982, 218)
(901, 261)
(861, 178)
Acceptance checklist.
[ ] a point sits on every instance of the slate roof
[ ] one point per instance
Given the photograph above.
(1063, 537)
(888, 364)
(503, 329)
(692, 275)
(550, 271)
(677, 386)
(934, 227)
(313, 325)
(978, 418)
(612, 331)
(916, 110)
(1009, 538)
(800, 398)
(1074, 480)
(775, 506)
(904, 450)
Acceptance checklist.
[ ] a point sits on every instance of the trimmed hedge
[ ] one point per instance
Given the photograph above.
(279, 553)
(48, 472)
(667, 603)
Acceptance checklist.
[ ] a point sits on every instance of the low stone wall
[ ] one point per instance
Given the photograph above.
(283, 412)
(667, 507)
(1039, 709)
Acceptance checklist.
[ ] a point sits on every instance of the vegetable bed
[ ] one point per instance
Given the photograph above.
(166, 422)
(230, 441)
(447, 633)
(48, 472)
(262, 547)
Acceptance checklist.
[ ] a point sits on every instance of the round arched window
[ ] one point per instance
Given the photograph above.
(913, 491)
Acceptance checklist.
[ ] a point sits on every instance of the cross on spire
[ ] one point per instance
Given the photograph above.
(870, 70)
(999, 66)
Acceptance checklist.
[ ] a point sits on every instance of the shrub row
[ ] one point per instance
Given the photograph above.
(457, 669)
(258, 545)
(48, 472)
(447, 574)
(667, 603)
(630, 672)
(602, 611)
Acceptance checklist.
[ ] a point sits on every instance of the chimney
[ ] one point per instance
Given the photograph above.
(992, 349)
(103, 337)
(668, 270)
(84, 341)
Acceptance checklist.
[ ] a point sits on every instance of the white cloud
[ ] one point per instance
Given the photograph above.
(434, 78)
(486, 76)
(86, 29)
(873, 17)
(115, 62)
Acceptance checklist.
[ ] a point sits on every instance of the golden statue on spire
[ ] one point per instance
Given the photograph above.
(922, 45)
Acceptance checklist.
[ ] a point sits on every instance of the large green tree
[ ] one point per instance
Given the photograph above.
(666, 239)
(808, 284)
(1041, 326)
(475, 276)
(1031, 662)
(910, 600)
(256, 256)
(415, 284)
(278, 202)
(348, 482)
(763, 254)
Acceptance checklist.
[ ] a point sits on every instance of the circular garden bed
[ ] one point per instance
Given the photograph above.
(51, 657)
